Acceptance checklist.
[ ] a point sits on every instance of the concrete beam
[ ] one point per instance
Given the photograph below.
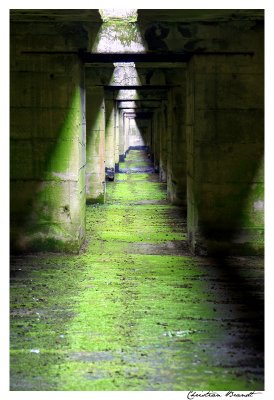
(138, 104)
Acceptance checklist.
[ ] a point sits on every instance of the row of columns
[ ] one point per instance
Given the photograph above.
(205, 136)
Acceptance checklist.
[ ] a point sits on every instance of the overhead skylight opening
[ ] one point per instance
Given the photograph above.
(124, 14)
(119, 33)
(125, 74)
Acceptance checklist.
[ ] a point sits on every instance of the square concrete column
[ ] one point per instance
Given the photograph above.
(163, 133)
(110, 138)
(176, 143)
(126, 133)
(149, 135)
(225, 141)
(121, 136)
(117, 138)
(48, 153)
(156, 140)
(95, 168)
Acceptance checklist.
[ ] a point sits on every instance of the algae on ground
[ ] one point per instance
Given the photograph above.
(113, 319)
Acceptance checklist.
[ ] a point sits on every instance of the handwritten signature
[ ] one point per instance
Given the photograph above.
(192, 394)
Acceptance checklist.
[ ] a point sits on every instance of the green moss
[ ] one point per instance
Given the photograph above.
(98, 200)
(61, 158)
(49, 225)
(112, 318)
(143, 223)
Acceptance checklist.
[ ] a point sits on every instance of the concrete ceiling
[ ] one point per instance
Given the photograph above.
(172, 15)
(181, 15)
(56, 15)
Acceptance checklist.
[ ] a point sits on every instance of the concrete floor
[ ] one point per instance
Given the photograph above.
(135, 310)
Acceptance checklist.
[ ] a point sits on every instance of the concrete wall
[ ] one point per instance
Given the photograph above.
(225, 131)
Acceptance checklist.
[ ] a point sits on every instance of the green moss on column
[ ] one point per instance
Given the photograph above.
(110, 134)
(95, 169)
(163, 128)
(52, 216)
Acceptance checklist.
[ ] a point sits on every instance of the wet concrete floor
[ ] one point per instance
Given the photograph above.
(135, 310)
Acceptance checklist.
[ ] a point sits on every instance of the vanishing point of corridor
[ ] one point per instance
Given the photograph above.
(134, 310)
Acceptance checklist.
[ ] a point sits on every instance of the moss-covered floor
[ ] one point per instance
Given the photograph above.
(135, 311)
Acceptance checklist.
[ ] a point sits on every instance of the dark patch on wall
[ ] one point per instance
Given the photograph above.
(211, 23)
(105, 75)
(186, 30)
(149, 76)
(223, 44)
(192, 45)
(258, 26)
(154, 36)
(74, 33)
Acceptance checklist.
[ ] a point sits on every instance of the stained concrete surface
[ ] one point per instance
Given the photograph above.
(135, 310)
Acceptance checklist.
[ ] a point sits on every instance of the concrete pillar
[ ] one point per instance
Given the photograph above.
(126, 133)
(225, 132)
(121, 136)
(156, 141)
(162, 131)
(95, 168)
(48, 153)
(176, 137)
(110, 138)
(149, 134)
(170, 155)
(117, 138)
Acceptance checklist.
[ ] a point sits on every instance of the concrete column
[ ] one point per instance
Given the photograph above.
(162, 129)
(152, 137)
(170, 155)
(110, 138)
(121, 136)
(149, 135)
(117, 138)
(95, 168)
(225, 139)
(126, 133)
(176, 132)
(156, 141)
(48, 153)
